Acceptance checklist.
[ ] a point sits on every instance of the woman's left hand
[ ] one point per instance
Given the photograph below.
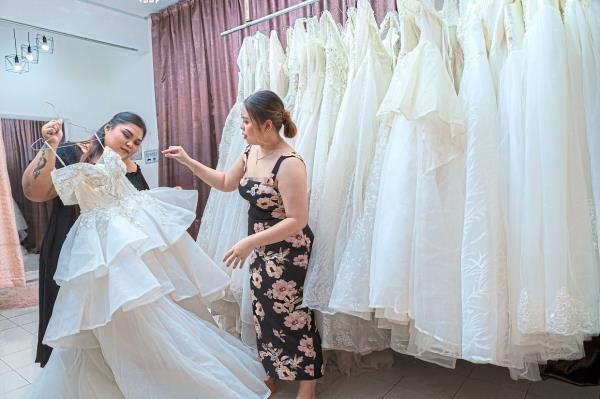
(238, 253)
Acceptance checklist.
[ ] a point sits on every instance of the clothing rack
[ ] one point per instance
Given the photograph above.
(268, 17)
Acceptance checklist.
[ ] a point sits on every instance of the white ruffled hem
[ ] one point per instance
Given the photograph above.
(134, 258)
(146, 220)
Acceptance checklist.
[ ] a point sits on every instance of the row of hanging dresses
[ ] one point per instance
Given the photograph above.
(323, 48)
(446, 266)
(411, 196)
(451, 187)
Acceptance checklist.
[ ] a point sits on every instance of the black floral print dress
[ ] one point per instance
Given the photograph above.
(288, 342)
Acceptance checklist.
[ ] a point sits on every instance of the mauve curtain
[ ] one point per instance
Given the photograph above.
(195, 73)
(12, 271)
(195, 83)
(18, 136)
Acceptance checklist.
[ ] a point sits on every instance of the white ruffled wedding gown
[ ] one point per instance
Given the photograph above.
(117, 329)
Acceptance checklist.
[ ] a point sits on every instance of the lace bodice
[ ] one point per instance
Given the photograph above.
(336, 64)
(98, 186)
(350, 42)
(296, 38)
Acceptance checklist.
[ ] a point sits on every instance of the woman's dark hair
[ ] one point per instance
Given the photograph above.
(122, 117)
(265, 106)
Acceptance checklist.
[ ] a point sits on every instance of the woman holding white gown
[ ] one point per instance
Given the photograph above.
(117, 327)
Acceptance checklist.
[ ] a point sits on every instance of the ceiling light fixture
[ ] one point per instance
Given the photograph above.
(45, 43)
(29, 52)
(13, 63)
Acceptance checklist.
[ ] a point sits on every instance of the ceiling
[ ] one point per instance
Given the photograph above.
(131, 7)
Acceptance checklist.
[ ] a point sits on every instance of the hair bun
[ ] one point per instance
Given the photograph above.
(286, 117)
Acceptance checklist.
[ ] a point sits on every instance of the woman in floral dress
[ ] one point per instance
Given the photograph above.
(272, 178)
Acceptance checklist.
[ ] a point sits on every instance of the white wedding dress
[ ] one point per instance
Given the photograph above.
(584, 68)
(278, 69)
(395, 151)
(296, 38)
(350, 153)
(556, 274)
(262, 75)
(592, 95)
(356, 258)
(309, 104)
(117, 325)
(347, 334)
(336, 75)
(415, 256)
(484, 283)
(350, 293)
(451, 17)
(389, 32)
(511, 90)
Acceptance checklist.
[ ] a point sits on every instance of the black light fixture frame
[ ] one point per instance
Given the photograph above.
(42, 39)
(12, 60)
(28, 48)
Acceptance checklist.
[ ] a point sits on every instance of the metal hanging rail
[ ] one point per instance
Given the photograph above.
(268, 17)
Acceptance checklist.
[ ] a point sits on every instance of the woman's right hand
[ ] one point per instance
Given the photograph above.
(52, 132)
(177, 153)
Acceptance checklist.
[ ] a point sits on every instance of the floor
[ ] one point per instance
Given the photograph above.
(408, 379)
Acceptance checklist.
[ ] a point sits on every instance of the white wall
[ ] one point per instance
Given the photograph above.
(87, 82)
(81, 19)
(133, 85)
